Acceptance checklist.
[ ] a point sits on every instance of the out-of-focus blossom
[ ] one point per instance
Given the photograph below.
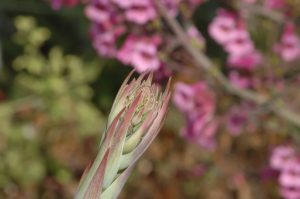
(286, 160)
(195, 100)
(280, 156)
(107, 26)
(223, 27)
(289, 46)
(237, 120)
(289, 180)
(248, 61)
(195, 36)
(239, 80)
(229, 31)
(105, 41)
(183, 97)
(240, 44)
(274, 4)
(290, 192)
(162, 73)
(201, 131)
(140, 52)
(198, 104)
(57, 4)
(124, 4)
(290, 174)
(140, 12)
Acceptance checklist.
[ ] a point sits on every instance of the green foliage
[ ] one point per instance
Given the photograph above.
(51, 105)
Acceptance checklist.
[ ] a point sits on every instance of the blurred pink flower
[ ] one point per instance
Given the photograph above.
(290, 192)
(289, 46)
(222, 28)
(107, 26)
(183, 97)
(285, 160)
(57, 4)
(248, 61)
(97, 14)
(236, 122)
(280, 156)
(195, 100)
(290, 175)
(124, 4)
(240, 43)
(140, 12)
(274, 4)
(238, 119)
(198, 104)
(140, 52)
(238, 80)
(162, 73)
(201, 131)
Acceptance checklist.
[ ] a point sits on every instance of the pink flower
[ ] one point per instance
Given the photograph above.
(140, 52)
(162, 73)
(238, 119)
(289, 46)
(107, 26)
(280, 156)
(290, 175)
(195, 100)
(99, 13)
(248, 61)
(198, 104)
(238, 80)
(290, 192)
(223, 26)
(140, 12)
(240, 43)
(57, 4)
(105, 44)
(201, 131)
(183, 97)
(124, 4)
(274, 4)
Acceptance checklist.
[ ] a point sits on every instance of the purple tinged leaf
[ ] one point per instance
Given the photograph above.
(95, 188)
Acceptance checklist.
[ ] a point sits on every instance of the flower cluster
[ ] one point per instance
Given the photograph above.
(130, 24)
(285, 159)
(289, 46)
(229, 31)
(197, 102)
(111, 20)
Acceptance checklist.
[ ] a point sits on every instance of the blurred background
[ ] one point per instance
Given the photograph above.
(56, 91)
